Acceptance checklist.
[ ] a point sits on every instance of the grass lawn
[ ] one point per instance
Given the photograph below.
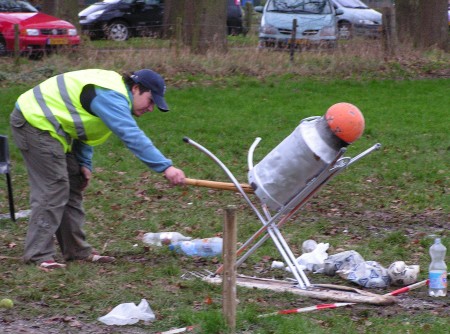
(389, 206)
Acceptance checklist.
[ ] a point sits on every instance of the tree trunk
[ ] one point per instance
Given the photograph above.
(49, 7)
(62, 9)
(203, 23)
(406, 15)
(422, 23)
(433, 25)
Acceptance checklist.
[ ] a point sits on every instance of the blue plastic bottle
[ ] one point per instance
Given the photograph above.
(207, 247)
(438, 270)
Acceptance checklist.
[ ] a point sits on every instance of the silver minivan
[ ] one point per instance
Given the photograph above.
(357, 19)
(316, 23)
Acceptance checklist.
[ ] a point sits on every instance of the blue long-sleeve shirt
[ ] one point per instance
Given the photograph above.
(113, 109)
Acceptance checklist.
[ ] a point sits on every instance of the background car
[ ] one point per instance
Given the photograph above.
(39, 33)
(121, 19)
(316, 23)
(234, 17)
(357, 19)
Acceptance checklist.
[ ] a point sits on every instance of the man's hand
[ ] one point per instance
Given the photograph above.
(175, 176)
(87, 175)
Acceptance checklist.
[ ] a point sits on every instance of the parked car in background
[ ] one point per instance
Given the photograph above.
(357, 19)
(234, 17)
(39, 33)
(316, 23)
(121, 19)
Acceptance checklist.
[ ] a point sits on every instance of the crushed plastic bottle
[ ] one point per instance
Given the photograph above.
(163, 238)
(308, 246)
(207, 247)
(438, 270)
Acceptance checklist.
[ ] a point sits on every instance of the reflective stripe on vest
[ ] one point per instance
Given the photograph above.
(81, 132)
(48, 113)
(55, 106)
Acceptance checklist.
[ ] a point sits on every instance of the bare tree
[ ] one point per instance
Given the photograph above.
(433, 26)
(200, 24)
(63, 9)
(422, 23)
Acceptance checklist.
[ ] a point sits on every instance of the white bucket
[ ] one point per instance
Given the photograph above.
(290, 166)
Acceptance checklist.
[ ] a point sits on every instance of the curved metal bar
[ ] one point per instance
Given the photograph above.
(250, 153)
(228, 172)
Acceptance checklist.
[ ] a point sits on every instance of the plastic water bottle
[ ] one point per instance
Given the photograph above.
(199, 247)
(438, 270)
(163, 238)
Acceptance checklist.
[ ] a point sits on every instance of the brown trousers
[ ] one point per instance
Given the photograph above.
(55, 195)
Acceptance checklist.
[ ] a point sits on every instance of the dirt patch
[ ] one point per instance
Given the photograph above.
(413, 304)
(63, 325)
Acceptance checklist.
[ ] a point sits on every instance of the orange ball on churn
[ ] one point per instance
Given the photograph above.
(346, 121)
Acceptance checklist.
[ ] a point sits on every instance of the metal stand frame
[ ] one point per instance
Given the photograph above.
(273, 223)
(5, 169)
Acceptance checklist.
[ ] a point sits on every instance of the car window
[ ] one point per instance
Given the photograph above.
(351, 4)
(16, 6)
(300, 6)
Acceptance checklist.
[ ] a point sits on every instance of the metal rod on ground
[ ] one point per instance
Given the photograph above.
(229, 264)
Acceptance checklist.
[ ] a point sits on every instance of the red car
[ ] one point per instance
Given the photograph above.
(39, 33)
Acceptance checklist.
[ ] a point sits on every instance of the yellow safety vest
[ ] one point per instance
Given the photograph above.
(55, 106)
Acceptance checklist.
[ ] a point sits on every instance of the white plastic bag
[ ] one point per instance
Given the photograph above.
(128, 314)
(313, 260)
(402, 274)
(342, 261)
(369, 274)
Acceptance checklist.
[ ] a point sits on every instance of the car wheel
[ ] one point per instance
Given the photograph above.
(345, 30)
(118, 31)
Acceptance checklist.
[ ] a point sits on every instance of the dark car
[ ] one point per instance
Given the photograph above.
(39, 33)
(121, 19)
(234, 17)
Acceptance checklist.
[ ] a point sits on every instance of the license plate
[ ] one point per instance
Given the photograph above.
(301, 41)
(57, 41)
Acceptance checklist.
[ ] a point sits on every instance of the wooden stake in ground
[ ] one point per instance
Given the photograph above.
(229, 264)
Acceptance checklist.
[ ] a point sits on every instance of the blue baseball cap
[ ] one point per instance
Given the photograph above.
(153, 81)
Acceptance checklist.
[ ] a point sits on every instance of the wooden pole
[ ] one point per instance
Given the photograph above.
(16, 44)
(389, 32)
(229, 263)
(218, 185)
(178, 35)
(248, 18)
(293, 39)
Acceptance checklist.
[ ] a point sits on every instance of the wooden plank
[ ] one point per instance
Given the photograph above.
(318, 291)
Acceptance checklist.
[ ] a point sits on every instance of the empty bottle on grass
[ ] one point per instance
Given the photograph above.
(438, 270)
(207, 247)
(163, 238)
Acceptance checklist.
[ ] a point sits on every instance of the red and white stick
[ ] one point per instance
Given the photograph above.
(335, 305)
(408, 288)
(306, 309)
